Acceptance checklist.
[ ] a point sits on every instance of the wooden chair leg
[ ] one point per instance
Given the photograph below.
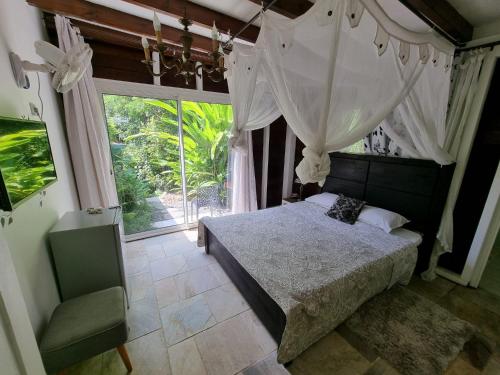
(126, 360)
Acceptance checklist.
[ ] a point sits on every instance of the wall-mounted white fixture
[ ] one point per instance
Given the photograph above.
(68, 68)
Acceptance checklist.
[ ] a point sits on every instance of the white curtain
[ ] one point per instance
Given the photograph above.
(466, 74)
(253, 108)
(336, 72)
(244, 195)
(87, 137)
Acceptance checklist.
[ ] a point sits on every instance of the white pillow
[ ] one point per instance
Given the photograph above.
(325, 200)
(384, 219)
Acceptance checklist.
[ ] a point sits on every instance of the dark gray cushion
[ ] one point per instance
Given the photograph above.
(346, 209)
(83, 327)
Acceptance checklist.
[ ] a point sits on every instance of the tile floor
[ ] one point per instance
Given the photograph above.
(490, 280)
(186, 318)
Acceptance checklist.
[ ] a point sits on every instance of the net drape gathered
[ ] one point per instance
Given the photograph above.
(336, 73)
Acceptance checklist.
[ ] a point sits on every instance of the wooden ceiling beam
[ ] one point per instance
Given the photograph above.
(114, 19)
(439, 14)
(443, 17)
(91, 32)
(199, 15)
(288, 8)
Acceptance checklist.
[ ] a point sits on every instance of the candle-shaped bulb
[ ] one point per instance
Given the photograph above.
(157, 27)
(221, 50)
(156, 22)
(215, 38)
(215, 32)
(145, 45)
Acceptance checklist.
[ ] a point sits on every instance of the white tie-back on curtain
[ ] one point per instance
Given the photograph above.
(336, 72)
(87, 137)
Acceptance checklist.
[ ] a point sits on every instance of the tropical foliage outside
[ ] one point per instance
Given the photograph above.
(144, 138)
(25, 158)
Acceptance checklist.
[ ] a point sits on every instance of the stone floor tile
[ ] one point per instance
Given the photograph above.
(433, 290)
(138, 286)
(195, 282)
(134, 249)
(155, 251)
(136, 265)
(479, 297)
(461, 367)
(177, 247)
(259, 332)
(166, 292)
(219, 273)
(492, 368)
(331, 355)
(148, 355)
(228, 347)
(166, 267)
(185, 359)
(267, 366)
(143, 316)
(186, 318)
(197, 259)
(225, 302)
(91, 366)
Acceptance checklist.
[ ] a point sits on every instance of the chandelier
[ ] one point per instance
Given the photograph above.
(183, 65)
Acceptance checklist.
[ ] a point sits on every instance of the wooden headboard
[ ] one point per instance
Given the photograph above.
(414, 188)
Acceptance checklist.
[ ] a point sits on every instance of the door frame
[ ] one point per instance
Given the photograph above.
(486, 234)
(490, 217)
(22, 348)
(112, 87)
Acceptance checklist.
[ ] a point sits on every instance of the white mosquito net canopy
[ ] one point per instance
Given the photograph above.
(336, 73)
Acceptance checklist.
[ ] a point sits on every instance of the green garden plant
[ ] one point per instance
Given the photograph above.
(144, 135)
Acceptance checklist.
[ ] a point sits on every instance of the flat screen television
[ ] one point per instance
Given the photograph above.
(26, 164)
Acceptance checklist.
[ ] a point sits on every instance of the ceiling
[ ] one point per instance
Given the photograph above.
(245, 10)
(478, 12)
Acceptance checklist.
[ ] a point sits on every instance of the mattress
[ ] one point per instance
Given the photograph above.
(317, 269)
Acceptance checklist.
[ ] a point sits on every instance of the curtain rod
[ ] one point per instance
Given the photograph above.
(264, 8)
(491, 45)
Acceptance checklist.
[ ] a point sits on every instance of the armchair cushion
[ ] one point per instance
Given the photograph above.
(83, 327)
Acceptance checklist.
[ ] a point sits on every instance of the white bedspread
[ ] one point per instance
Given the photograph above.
(319, 270)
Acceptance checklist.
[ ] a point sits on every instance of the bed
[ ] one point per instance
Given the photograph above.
(304, 273)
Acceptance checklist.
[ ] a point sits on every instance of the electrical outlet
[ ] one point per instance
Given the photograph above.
(34, 110)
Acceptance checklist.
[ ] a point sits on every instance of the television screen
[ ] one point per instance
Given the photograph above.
(26, 163)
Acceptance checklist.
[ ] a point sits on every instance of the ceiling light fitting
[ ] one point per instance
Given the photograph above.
(184, 65)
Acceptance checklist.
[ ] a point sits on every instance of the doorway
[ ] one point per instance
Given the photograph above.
(170, 160)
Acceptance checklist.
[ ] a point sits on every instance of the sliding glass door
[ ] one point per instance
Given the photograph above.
(206, 129)
(167, 176)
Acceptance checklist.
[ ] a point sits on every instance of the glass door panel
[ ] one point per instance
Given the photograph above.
(206, 128)
(145, 148)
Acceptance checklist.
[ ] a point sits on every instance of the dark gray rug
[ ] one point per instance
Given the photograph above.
(416, 336)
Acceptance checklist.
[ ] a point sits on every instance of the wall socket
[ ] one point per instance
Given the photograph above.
(34, 110)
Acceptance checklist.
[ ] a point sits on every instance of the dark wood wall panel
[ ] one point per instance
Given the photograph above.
(277, 136)
(257, 143)
(209, 85)
(170, 79)
(119, 63)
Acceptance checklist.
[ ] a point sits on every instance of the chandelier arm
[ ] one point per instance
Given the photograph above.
(148, 66)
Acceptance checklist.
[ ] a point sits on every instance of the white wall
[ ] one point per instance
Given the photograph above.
(20, 26)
